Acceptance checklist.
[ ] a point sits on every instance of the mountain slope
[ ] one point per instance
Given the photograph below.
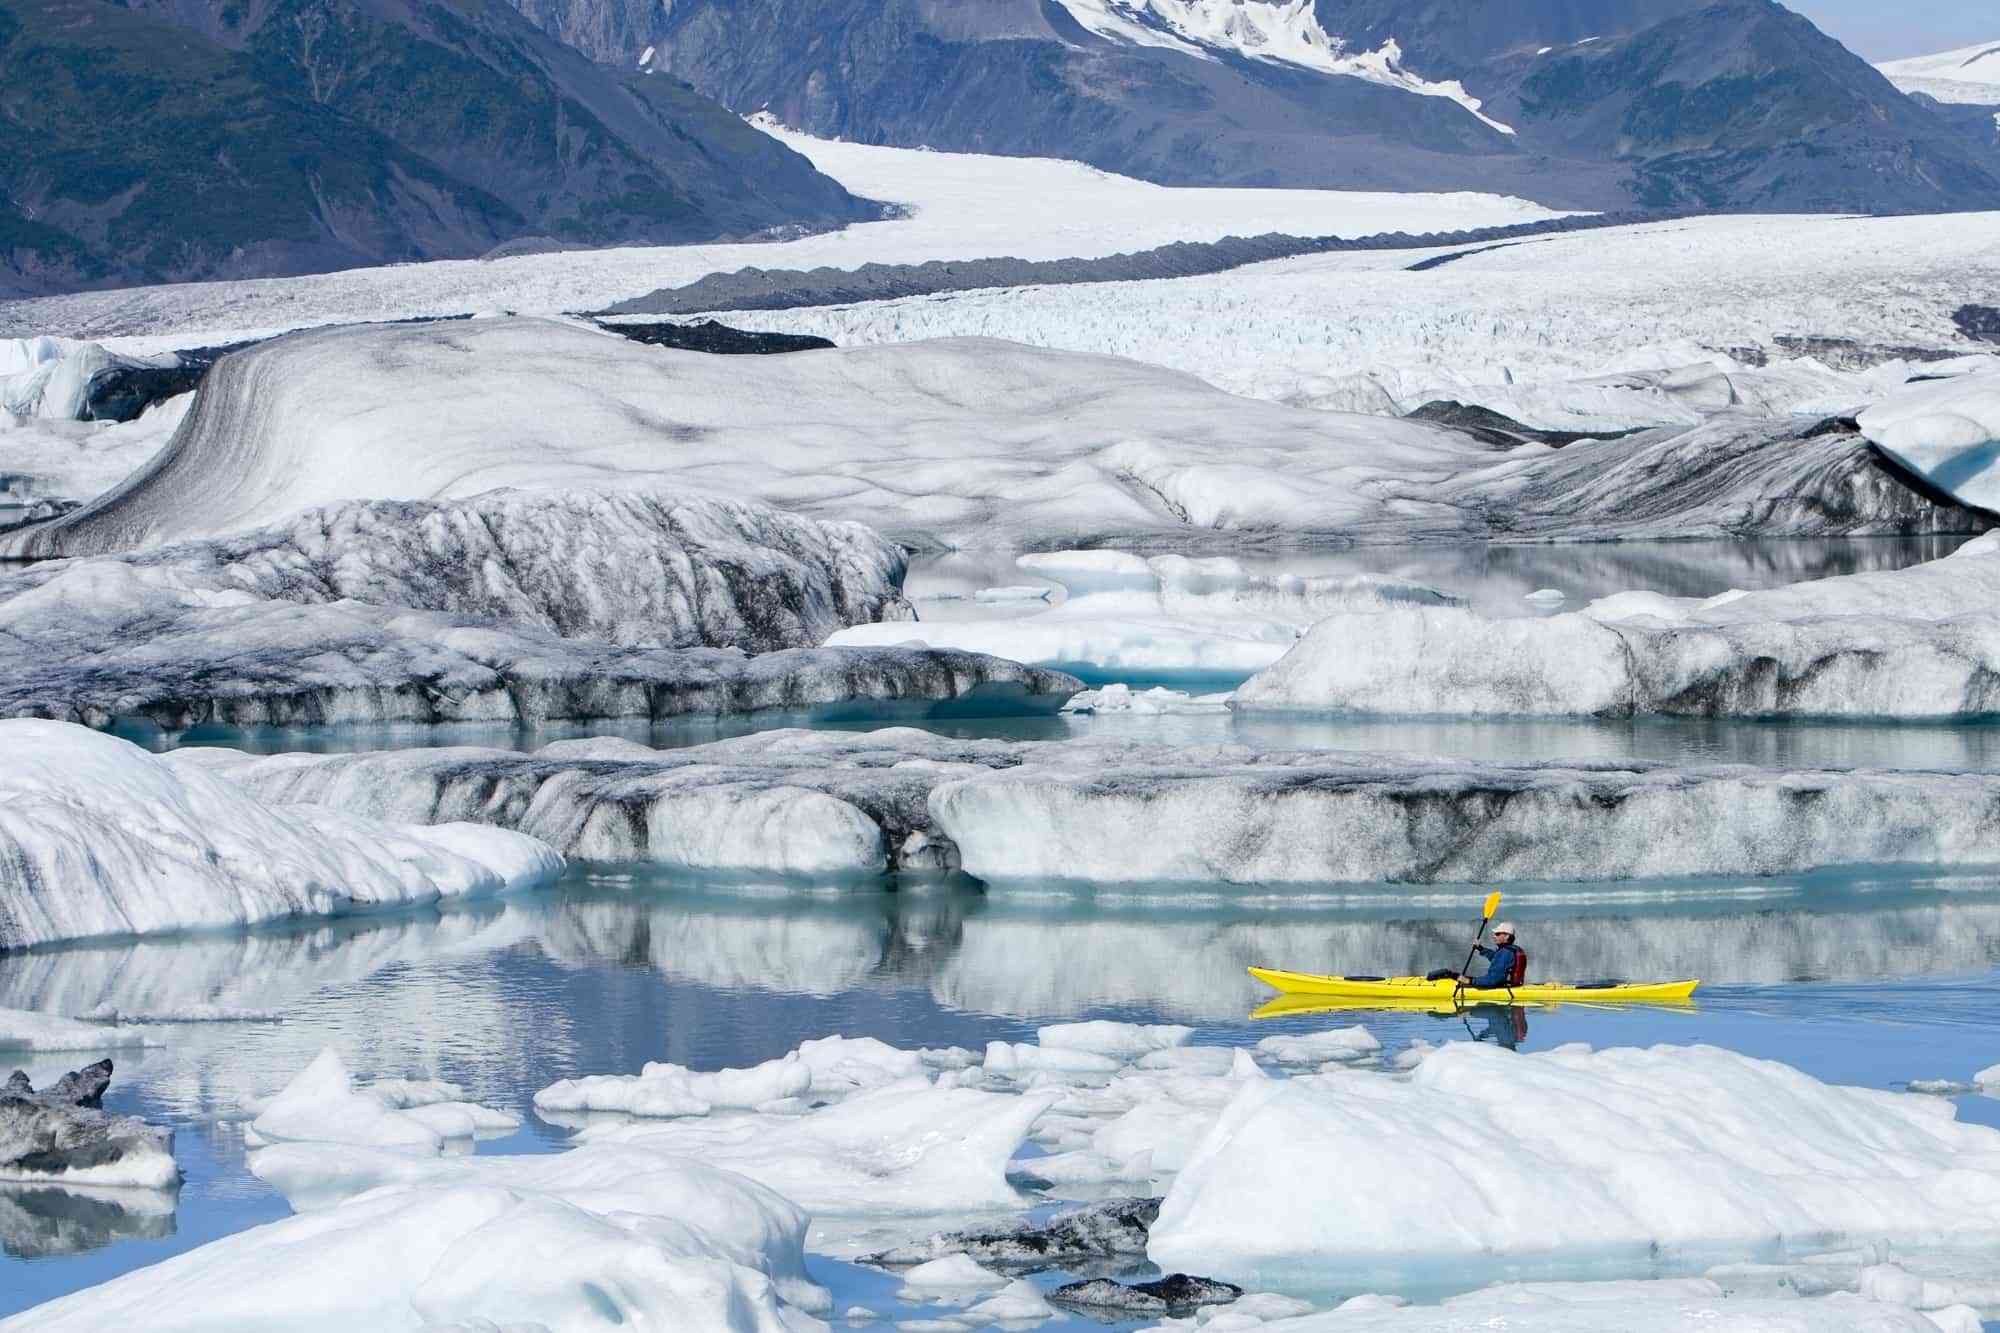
(1582, 103)
(207, 138)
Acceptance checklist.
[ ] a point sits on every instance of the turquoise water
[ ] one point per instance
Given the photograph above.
(1869, 978)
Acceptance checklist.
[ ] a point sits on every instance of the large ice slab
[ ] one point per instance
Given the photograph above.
(1672, 1152)
(592, 1239)
(1921, 642)
(507, 606)
(1947, 433)
(809, 802)
(98, 837)
(1128, 617)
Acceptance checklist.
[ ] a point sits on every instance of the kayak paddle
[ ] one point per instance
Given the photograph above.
(1492, 907)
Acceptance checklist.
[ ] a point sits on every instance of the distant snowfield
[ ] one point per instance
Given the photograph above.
(962, 206)
(1546, 309)
(1970, 75)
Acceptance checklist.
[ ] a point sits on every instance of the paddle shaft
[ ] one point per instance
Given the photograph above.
(1492, 906)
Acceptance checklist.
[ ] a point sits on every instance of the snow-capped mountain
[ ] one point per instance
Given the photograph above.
(1613, 103)
(1970, 75)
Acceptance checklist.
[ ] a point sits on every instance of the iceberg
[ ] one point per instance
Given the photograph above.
(1921, 642)
(1169, 616)
(1667, 1153)
(98, 837)
(511, 606)
(1111, 812)
(323, 1105)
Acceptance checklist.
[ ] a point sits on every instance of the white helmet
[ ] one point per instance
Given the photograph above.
(1504, 928)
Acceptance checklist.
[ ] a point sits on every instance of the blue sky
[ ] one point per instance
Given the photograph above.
(1890, 29)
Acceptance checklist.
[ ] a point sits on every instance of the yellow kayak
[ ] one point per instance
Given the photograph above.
(1418, 990)
(1296, 1006)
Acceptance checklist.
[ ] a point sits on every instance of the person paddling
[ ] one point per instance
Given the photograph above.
(1507, 963)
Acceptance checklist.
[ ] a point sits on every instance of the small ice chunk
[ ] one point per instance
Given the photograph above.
(1020, 1301)
(1343, 1044)
(1547, 596)
(955, 1272)
(1018, 1059)
(1119, 1040)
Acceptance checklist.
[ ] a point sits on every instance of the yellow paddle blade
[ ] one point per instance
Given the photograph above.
(1492, 905)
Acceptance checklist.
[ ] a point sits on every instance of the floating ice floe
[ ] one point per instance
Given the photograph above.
(323, 1105)
(1921, 642)
(1674, 1151)
(1947, 433)
(1110, 812)
(1123, 699)
(1169, 616)
(98, 837)
(589, 1239)
(25, 1030)
(509, 606)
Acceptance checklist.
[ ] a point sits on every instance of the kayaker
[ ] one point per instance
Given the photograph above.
(1507, 963)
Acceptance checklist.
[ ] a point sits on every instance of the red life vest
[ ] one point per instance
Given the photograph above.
(1519, 972)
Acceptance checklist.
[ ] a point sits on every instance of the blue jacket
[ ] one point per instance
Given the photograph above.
(1503, 956)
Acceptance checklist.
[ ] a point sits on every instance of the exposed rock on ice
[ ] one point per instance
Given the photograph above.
(595, 1238)
(1111, 812)
(1112, 1232)
(63, 1136)
(1671, 1151)
(988, 443)
(1127, 616)
(98, 837)
(1947, 433)
(509, 606)
(1914, 643)
(1177, 1293)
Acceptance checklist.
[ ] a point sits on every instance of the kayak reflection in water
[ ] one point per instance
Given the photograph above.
(1502, 1024)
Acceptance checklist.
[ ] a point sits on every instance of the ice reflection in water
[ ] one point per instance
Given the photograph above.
(621, 965)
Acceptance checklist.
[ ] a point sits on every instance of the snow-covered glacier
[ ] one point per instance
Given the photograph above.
(505, 606)
(965, 442)
(98, 837)
(1921, 642)
(817, 803)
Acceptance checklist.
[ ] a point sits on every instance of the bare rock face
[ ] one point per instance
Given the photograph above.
(64, 1136)
(1175, 1294)
(1110, 1234)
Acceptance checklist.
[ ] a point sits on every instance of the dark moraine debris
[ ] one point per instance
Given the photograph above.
(787, 289)
(1176, 1294)
(1110, 1233)
(1981, 323)
(711, 335)
(122, 393)
(1849, 354)
(64, 1135)
(1500, 430)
